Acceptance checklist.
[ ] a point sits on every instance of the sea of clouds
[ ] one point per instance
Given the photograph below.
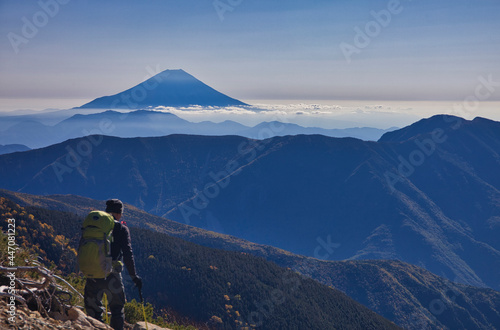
(328, 116)
(323, 114)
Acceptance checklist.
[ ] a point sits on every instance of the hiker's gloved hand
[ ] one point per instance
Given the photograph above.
(117, 266)
(138, 282)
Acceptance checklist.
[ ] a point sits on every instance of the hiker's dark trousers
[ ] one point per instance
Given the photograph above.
(112, 286)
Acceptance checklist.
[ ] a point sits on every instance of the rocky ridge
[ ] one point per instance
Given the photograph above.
(75, 320)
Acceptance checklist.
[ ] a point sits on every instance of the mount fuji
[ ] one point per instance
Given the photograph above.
(175, 88)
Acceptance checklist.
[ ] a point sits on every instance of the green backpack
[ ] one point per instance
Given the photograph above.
(94, 250)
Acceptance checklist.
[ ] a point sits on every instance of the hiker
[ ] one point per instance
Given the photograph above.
(105, 243)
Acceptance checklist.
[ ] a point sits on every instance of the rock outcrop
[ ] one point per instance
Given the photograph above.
(28, 319)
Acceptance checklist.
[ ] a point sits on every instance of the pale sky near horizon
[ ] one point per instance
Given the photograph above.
(252, 49)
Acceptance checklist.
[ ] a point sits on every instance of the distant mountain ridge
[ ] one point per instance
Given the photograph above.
(430, 199)
(10, 148)
(175, 88)
(147, 123)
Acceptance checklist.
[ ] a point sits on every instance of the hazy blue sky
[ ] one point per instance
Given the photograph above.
(252, 49)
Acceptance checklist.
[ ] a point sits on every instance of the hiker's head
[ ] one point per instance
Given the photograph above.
(115, 208)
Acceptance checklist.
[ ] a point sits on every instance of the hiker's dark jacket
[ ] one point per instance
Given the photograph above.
(121, 247)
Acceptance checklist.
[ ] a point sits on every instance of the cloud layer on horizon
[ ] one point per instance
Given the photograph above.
(342, 115)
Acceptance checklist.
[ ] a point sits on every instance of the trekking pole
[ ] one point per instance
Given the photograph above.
(143, 310)
(106, 319)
